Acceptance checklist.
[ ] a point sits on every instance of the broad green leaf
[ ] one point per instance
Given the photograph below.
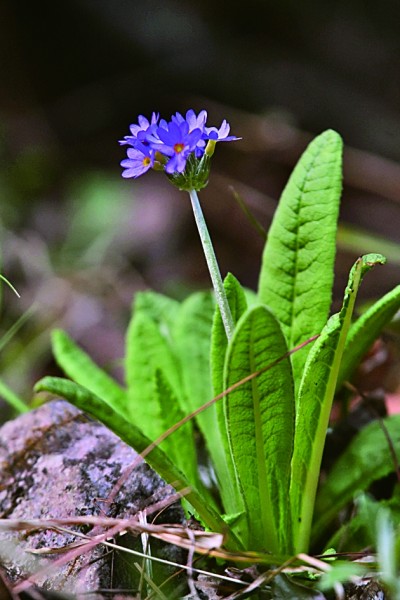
(77, 365)
(219, 342)
(191, 340)
(147, 351)
(260, 422)
(316, 393)
(129, 433)
(367, 459)
(179, 445)
(297, 266)
(223, 463)
(162, 309)
(365, 330)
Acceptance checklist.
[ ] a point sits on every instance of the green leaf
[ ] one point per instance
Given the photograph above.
(180, 444)
(149, 350)
(365, 330)
(387, 544)
(367, 459)
(225, 470)
(191, 339)
(219, 343)
(130, 434)
(361, 530)
(316, 393)
(297, 266)
(260, 422)
(161, 309)
(161, 373)
(77, 365)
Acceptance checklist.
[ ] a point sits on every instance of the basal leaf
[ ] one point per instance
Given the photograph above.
(225, 471)
(191, 339)
(162, 309)
(148, 350)
(316, 393)
(168, 371)
(133, 436)
(367, 459)
(297, 266)
(238, 304)
(260, 422)
(366, 329)
(77, 365)
(179, 445)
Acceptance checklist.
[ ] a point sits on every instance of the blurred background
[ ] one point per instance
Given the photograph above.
(77, 240)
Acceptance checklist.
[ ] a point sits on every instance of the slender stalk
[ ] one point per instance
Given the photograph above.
(212, 265)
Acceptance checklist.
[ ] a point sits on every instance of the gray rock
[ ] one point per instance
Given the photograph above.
(56, 463)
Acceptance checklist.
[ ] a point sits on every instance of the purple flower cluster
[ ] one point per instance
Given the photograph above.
(167, 145)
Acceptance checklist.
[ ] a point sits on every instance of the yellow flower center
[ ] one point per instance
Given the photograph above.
(146, 161)
(178, 148)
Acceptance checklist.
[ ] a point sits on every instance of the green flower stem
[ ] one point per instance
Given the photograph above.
(212, 265)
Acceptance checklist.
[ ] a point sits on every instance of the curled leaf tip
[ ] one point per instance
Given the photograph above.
(372, 259)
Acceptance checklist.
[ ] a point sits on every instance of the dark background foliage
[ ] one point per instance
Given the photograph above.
(78, 241)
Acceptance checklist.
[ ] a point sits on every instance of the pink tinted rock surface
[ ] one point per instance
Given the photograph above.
(54, 463)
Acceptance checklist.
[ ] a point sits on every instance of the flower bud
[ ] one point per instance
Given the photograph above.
(195, 176)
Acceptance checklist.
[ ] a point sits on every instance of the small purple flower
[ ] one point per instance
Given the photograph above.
(140, 131)
(221, 134)
(140, 159)
(167, 145)
(195, 122)
(176, 141)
